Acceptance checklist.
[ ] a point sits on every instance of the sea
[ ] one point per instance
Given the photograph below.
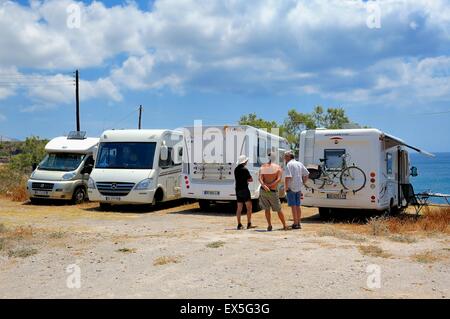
(433, 174)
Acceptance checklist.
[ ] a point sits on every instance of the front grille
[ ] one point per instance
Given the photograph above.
(114, 189)
(42, 186)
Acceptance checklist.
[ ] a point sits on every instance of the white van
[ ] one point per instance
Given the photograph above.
(137, 167)
(210, 154)
(354, 169)
(64, 172)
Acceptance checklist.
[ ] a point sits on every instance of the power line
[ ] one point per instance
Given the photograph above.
(124, 118)
(431, 113)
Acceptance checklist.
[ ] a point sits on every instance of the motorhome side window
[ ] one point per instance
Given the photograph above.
(262, 150)
(389, 163)
(281, 156)
(169, 162)
(333, 158)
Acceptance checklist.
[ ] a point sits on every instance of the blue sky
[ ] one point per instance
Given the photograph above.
(216, 60)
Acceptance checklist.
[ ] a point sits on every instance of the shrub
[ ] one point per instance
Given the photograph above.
(378, 226)
(32, 152)
(164, 260)
(373, 251)
(215, 244)
(13, 176)
(22, 252)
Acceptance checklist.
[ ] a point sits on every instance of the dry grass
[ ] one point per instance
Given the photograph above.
(433, 220)
(401, 238)
(378, 226)
(10, 237)
(22, 252)
(57, 235)
(127, 250)
(215, 244)
(13, 184)
(426, 257)
(20, 232)
(373, 251)
(333, 232)
(164, 260)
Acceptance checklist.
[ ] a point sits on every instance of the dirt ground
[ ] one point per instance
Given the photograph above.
(178, 251)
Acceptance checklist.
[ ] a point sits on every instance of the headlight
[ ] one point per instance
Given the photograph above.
(91, 183)
(144, 184)
(68, 176)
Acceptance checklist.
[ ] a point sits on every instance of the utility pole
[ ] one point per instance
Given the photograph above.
(140, 117)
(77, 100)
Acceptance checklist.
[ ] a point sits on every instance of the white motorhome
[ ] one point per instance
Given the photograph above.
(137, 167)
(354, 169)
(210, 154)
(64, 172)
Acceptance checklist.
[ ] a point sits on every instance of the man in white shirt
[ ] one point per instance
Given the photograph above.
(296, 175)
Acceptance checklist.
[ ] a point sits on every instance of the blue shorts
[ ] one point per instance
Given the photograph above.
(293, 198)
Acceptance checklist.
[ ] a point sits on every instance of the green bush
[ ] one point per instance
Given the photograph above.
(13, 176)
(32, 151)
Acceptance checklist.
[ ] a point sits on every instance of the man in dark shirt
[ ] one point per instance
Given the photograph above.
(243, 177)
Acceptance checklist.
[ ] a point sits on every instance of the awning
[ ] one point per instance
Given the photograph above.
(391, 141)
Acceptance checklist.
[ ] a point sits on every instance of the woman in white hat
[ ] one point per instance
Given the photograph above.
(242, 177)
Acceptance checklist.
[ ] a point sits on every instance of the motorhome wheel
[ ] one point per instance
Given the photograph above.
(79, 195)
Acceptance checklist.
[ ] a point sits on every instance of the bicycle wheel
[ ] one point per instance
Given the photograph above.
(353, 179)
(317, 183)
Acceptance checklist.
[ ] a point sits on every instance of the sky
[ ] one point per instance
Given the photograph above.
(387, 63)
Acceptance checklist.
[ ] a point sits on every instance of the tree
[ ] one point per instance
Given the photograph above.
(32, 151)
(253, 120)
(296, 122)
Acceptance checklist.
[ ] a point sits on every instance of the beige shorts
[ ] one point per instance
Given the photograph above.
(268, 200)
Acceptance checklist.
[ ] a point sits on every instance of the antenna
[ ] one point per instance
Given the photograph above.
(140, 117)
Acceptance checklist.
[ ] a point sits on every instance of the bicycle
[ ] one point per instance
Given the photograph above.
(352, 178)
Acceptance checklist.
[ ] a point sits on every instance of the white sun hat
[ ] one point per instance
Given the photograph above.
(242, 159)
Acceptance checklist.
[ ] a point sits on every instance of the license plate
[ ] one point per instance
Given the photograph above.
(214, 193)
(336, 196)
(41, 192)
(112, 198)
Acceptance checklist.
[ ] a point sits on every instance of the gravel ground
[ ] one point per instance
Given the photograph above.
(179, 251)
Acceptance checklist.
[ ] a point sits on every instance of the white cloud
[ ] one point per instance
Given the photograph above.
(267, 46)
(47, 91)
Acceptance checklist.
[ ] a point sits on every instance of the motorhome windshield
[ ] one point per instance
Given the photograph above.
(61, 162)
(126, 155)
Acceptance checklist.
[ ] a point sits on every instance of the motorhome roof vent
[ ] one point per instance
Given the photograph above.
(76, 135)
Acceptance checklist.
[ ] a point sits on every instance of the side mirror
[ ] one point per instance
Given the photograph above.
(164, 153)
(413, 171)
(34, 166)
(87, 169)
